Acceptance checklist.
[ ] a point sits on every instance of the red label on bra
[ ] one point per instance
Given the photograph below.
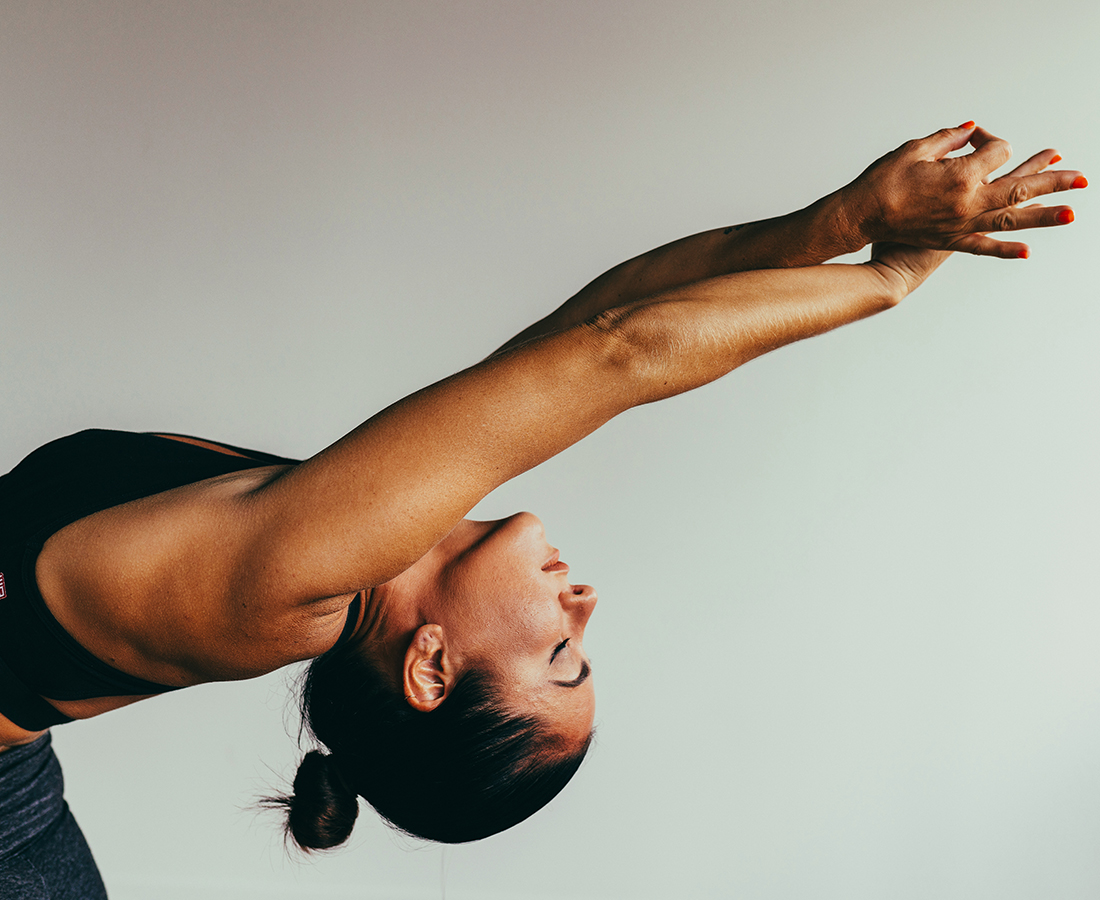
(3, 590)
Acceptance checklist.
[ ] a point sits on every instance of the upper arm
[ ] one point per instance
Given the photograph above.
(366, 508)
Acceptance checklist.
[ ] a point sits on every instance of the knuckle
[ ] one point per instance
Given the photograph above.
(1005, 220)
(1018, 194)
(910, 148)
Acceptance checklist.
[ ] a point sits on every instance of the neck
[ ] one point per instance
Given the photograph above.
(383, 635)
(370, 616)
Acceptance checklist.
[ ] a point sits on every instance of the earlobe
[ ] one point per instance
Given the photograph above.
(427, 675)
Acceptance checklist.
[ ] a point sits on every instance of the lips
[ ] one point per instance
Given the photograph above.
(554, 564)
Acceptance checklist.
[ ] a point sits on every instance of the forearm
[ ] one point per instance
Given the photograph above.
(690, 336)
(916, 195)
(807, 237)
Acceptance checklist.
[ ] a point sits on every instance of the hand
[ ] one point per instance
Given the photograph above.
(905, 267)
(917, 196)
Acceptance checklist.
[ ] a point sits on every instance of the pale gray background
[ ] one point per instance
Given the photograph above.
(847, 640)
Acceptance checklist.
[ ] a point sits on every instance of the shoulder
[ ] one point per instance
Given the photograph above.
(162, 586)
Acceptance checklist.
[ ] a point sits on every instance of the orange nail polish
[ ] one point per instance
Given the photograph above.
(969, 124)
(1023, 254)
(1080, 181)
(1056, 159)
(1065, 217)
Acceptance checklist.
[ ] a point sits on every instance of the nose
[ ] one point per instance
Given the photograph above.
(579, 601)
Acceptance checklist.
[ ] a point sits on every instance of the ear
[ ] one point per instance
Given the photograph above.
(427, 674)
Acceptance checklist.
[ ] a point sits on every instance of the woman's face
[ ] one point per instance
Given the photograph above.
(505, 603)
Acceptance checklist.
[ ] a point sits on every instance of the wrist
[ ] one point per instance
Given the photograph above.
(892, 284)
(844, 215)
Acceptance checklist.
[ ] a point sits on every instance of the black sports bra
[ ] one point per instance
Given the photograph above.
(57, 484)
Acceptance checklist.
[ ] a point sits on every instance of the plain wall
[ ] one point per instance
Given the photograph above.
(846, 645)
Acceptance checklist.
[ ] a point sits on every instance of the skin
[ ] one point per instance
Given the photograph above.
(495, 595)
(239, 575)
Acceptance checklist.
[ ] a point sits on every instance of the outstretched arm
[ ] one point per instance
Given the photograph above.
(369, 506)
(915, 195)
(366, 508)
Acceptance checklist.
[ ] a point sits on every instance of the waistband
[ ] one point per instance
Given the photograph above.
(31, 789)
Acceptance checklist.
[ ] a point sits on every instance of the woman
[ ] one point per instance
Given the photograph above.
(450, 685)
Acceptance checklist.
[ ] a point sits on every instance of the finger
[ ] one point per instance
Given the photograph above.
(938, 144)
(980, 245)
(1011, 191)
(1014, 219)
(1035, 164)
(990, 152)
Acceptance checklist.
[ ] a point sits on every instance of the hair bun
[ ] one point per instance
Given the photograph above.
(323, 808)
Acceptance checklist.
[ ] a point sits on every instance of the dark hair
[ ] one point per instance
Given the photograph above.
(466, 770)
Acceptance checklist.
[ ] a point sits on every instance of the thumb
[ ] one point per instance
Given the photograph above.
(944, 141)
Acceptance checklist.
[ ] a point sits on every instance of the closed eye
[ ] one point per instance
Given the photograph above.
(558, 649)
(582, 676)
(586, 670)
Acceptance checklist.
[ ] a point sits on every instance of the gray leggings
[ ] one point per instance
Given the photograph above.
(43, 855)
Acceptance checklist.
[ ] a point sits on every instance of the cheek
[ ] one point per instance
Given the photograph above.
(542, 618)
(511, 613)
(495, 617)
(526, 634)
(519, 608)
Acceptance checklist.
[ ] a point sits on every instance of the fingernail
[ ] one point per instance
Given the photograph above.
(1023, 254)
(1065, 217)
(969, 124)
(1080, 181)
(1057, 158)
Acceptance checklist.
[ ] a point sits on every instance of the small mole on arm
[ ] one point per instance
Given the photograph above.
(742, 225)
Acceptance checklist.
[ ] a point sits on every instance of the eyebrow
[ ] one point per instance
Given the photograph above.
(586, 670)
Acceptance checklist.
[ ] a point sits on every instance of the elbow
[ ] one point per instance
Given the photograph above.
(615, 338)
(632, 350)
(606, 328)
